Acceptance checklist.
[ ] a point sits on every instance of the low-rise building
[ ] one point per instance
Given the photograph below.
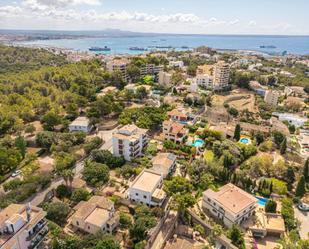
(164, 163)
(176, 64)
(106, 90)
(257, 88)
(230, 204)
(129, 141)
(22, 227)
(277, 125)
(271, 97)
(95, 215)
(147, 189)
(296, 91)
(267, 224)
(81, 124)
(174, 131)
(293, 119)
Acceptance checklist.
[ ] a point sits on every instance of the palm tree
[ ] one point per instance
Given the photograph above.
(68, 176)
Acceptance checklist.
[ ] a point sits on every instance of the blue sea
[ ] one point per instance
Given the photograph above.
(121, 45)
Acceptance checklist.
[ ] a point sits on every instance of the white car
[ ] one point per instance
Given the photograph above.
(303, 207)
(16, 173)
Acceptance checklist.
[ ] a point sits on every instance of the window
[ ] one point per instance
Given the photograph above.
(208, 199)
(77, 223)
(136, 194)
(88, 227)
(145, 197)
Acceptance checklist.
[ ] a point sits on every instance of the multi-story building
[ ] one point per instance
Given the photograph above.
(95, 215)
(119, 65)
(129, 141)
(147, 189)
(204, 80)
(174, 131)
(22, 227)
(165, 78)
(164, 163)
(81, 124)
(271, 97)
(151, 69)
(221, 75)
(230, 204)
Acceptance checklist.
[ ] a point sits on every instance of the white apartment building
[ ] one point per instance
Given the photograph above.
(176, 64)
(22, 227)
(129, 141)
(230, 204)
(271, 97)
(95, 215)
(118, 65)
(165, 78)
(146, 189)
(221, 75)
(81, 124)
(204, 80)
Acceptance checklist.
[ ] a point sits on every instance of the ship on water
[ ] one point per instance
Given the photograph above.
(138, 49)
(97, 49)
(268, 46)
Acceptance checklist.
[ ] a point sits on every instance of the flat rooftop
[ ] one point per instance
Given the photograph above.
(147, 181)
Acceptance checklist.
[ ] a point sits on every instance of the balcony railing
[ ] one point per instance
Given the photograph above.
(38, 239)
(37, 229)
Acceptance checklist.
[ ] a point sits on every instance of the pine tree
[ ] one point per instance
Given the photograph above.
(237, 132)
(306, 170)
(283, 146)
(271, 187)
(301, 187)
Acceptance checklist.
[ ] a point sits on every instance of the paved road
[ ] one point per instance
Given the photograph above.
(304, 219)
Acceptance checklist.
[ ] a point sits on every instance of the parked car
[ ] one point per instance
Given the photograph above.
(303, 207)
(16, 173)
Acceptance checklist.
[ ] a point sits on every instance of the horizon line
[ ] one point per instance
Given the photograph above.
(149, 33)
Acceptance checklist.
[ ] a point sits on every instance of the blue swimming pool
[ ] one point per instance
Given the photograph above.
(198, 143)
(244, 140)
(261, 200)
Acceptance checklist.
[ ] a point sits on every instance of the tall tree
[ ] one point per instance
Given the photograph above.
(306, 170)
(301, 187)
(237, 132)
(21, 145)
(283, 146)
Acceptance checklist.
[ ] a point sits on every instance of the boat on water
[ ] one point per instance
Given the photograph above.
(105, 48)
(164, 47)
(184, 47)
(138, 49)
(268, 46)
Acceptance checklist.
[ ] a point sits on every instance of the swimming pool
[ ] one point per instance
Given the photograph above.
(261, 200)
(197, 143)
(245, 140)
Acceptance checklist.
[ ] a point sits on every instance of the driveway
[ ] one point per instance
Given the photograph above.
(304, 219)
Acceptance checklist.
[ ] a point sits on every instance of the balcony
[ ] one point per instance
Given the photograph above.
(38, 239)
(37, 229)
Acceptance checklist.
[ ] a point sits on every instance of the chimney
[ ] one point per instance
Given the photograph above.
(28, 211)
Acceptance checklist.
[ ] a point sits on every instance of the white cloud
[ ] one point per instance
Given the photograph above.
(234, 22)
(6, 11)
(44, 4)
(252, 23)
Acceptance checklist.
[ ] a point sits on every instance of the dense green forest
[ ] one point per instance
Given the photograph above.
(16, 59)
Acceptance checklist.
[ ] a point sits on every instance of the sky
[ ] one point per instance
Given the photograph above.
(269, 17)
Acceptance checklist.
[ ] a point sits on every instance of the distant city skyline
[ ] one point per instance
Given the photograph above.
(276, 17)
